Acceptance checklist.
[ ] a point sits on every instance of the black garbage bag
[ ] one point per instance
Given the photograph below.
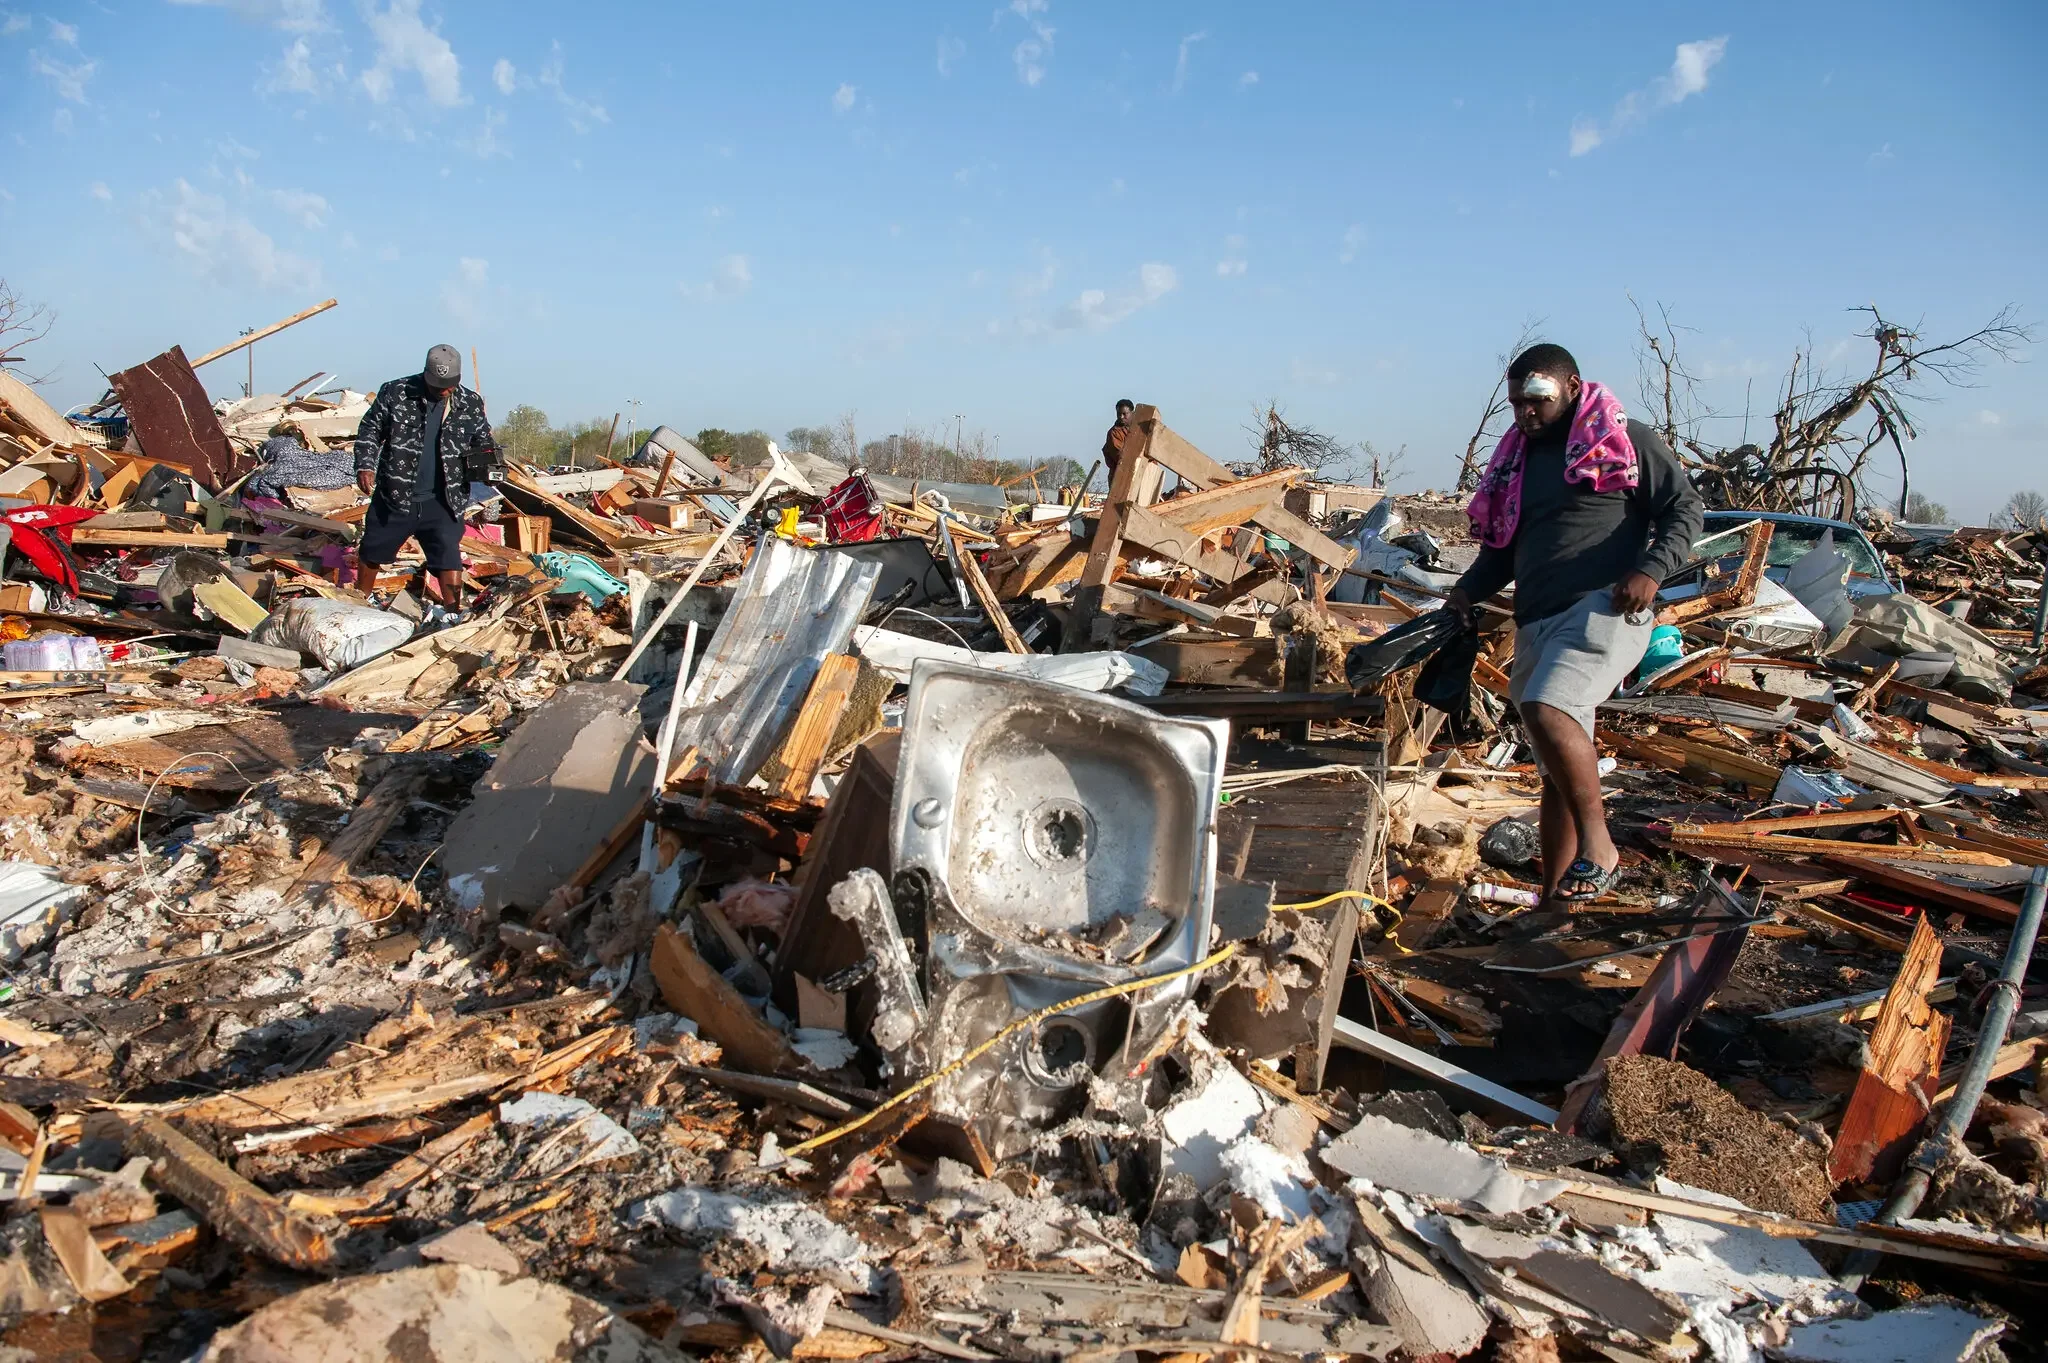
(1403, 646)
(1445, 682)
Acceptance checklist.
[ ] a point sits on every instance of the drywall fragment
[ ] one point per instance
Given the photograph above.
(602, 1137)
(1390, 1155)
(1206, 1120)
(1922, 1333)
(564, 780)
(1434, 1313)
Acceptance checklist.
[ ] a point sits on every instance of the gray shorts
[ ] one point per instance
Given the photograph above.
(1573, 660)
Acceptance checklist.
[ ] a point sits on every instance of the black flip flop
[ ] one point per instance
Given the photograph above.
(1585, 872)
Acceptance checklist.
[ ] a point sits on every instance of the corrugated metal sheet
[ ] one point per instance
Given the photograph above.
(792, 608)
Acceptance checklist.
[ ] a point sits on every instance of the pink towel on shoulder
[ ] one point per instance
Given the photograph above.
(1596, 451)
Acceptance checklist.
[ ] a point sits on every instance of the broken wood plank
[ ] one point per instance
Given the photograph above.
(699, 993)
(1786, 845)
(1109, 532)
(597, 528)
(803, 752)
(236, 1208)
(1815, 913)
(88, 536)
(1925, 889)
(2011, 1058)
(1740, 593)
(1228, 504)
(1892, 1092)
(224, 599)
(1689, 756)
(367, 826)
(977, 585)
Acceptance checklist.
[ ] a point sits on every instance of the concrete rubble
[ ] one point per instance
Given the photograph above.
(989, 925)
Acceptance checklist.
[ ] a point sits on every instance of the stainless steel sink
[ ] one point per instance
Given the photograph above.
(1047, 842)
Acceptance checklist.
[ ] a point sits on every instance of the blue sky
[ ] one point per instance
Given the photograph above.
(767, 215)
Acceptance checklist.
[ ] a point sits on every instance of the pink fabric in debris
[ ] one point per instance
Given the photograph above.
(1596, 451)
(752, 903)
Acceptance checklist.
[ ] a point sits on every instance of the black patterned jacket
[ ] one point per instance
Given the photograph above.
(393, 436)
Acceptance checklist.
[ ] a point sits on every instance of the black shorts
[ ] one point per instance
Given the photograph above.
(385, 531)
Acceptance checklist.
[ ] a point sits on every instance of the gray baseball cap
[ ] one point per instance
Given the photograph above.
(444, 366)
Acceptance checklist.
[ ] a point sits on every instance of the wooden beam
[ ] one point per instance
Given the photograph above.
(236, 1208)
(1109, 530)
(694, 989)
(1925, 889)
(1303, 536)
(1228, 504)
(372, 818)
(1894, 1088)
(803, 752)
(89, 537)
(1814, 913)
(253, 337)
(1172, 452)
(977, 586)
(1741, 593)
(602, 531)
(1789, 846)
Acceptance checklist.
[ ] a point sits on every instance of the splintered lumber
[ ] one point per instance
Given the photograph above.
(1740, 593)
(236, 1208)
(1109, 533)
(803, 752)
(442, 1067)
(970, 569)
(1229, 504)
(2011, 1058)
(1689, 756)
(1814, 913)
(1925, 889)
(699, 993)
(1893, 1091)
(1688, 837)
(372, 818)
(88, 536)
(27, 407)
(598, 528)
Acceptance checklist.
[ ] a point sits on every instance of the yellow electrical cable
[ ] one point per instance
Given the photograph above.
(1114, 991)
(1368, 898)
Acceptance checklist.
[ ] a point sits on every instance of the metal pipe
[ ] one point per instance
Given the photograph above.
(1911, 1188)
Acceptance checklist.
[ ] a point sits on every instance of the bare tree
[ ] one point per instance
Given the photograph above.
(846, 438)
(2024, 510)
(1496, 406)
(1280, 445)
(1385, 467)
(1669, 390)
(22, 324)
(1828, 427)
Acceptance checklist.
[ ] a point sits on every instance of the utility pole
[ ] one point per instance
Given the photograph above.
(957, 420)
(249, 388)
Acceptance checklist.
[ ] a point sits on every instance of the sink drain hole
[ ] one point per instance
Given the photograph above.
(1058, 832)
(1060, 1055)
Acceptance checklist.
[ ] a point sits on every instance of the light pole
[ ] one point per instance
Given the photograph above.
(957, 420)
(249, 388)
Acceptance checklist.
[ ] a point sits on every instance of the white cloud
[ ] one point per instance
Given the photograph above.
(1882, 155)
(1987, 417)
(1034, 52)
(348, 241)
(292, 16)
(60, 122)
(1180, 63)
(1687, 77)
(843, 98)
(295, 73)
(1099, 309)
(1247, 80)
(12, 23)
(505, 76)
(308, 209)
(464, 296)
(485, 144)
(66, 34)
(1314, 375)
(582, 114)
(405, 43)
(951, 50)
(220, 245)
(100, 191)
(234, 150)
(69, 78)
(1354, 242)
(733, 277)
(1230, 268)
(1039, 282)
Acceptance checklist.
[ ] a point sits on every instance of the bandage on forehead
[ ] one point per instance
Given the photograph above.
(1540, 387)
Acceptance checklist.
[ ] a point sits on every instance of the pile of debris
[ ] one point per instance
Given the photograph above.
(795, 912)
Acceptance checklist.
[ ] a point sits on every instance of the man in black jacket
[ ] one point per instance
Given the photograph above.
(1587, 564)
(424, 439)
